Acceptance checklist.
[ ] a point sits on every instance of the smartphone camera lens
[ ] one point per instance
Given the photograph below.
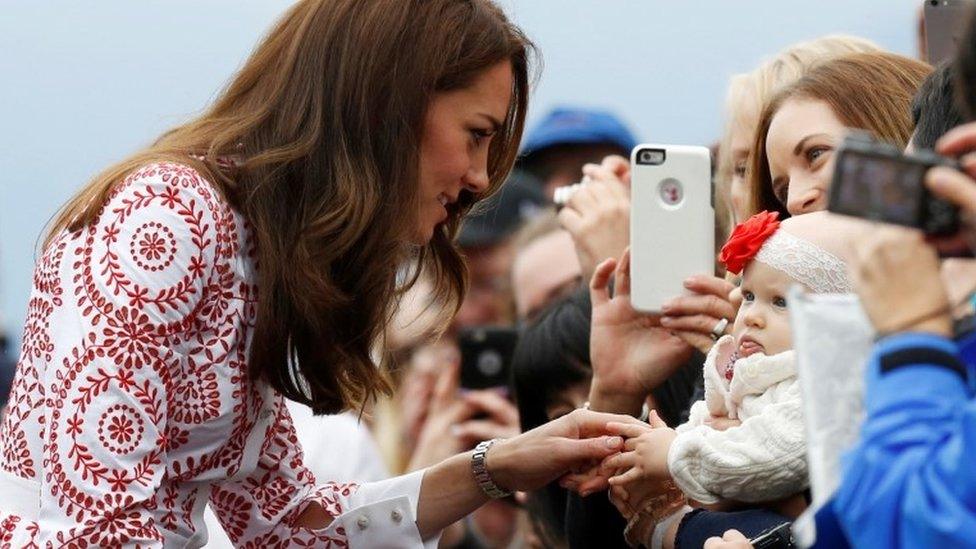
(651, 157)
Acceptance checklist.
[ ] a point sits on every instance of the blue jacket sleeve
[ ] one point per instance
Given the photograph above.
(911, 479)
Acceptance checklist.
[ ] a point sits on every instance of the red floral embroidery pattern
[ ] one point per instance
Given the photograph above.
(132, 389)
(153, 246)
(120, 429)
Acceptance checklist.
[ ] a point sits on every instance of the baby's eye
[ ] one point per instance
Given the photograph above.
(748, 296)
(779, 302)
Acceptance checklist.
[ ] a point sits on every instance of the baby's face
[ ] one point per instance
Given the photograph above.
(763, 325)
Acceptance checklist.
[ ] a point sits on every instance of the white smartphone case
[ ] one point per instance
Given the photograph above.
(672, 223)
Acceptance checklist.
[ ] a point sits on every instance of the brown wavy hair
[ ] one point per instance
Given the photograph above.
(325, 120)
(870, 91)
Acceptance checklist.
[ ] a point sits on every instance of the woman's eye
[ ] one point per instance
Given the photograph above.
(739, 170)
(479, 135)
(779, 302)
(815, 153)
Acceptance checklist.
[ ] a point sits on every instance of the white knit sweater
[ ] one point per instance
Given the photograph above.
(764, 458)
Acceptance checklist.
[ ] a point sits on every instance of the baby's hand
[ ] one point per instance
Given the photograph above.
(645, 456)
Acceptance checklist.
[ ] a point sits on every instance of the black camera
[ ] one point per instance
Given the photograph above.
(876, 181)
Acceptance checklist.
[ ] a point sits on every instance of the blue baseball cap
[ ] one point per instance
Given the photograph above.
(577, 126)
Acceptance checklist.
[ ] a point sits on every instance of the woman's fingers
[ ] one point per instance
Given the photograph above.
(953, 186)
(628, 430)
(709, 285)
(587, 423)
(699, 304)
(958, 141)
(620, 167)
(622, 275)
(699, 341)
(599, 290)
(445, 390)
(586, 199)
(702, 324)
(571, 220)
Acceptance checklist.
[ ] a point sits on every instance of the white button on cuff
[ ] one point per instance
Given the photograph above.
(362, 522)
(396, 515)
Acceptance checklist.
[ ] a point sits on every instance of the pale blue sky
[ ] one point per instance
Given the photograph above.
(84, 84)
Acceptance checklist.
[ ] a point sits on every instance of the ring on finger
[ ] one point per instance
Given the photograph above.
(719, 329)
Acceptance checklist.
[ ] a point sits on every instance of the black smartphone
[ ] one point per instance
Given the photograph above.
(486, 356)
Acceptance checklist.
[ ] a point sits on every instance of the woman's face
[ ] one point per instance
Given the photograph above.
(459, 127)
(800, 148)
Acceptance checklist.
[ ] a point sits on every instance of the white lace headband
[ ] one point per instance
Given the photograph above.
(805, 262)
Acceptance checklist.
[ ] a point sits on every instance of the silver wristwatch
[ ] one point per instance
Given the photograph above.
(479, 466)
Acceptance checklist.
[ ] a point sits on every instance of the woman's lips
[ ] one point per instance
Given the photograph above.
(749, 346)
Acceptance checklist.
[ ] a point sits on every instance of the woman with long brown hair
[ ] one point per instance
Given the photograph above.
(253, 254)
(800, 127)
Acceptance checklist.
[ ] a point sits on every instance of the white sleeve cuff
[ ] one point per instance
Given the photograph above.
(384, 514)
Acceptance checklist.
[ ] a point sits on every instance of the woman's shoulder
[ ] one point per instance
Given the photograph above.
(170, 182)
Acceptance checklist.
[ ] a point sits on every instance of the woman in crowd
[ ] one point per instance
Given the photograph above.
(747, 95)
(251, 255)
(804, 123)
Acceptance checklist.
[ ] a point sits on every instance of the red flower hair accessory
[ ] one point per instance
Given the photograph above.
(746, 240)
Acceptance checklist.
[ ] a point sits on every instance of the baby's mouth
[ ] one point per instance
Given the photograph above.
(749, 346)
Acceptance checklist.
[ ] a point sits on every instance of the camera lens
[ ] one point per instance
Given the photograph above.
(652, 157)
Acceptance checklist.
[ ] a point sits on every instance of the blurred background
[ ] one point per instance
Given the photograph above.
(85, 84)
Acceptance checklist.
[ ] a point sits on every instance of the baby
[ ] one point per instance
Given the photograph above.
(750, 377)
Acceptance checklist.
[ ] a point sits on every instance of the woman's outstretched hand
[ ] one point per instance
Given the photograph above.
(574, 442)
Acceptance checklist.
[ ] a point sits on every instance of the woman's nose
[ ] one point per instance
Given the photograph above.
(805, 201)
(476, 180)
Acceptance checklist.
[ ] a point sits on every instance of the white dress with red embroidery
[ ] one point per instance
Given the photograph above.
(132, 407)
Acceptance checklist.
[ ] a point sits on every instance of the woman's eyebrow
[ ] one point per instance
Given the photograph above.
(799, 146)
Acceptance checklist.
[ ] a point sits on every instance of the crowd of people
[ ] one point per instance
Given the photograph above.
(187, 290)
